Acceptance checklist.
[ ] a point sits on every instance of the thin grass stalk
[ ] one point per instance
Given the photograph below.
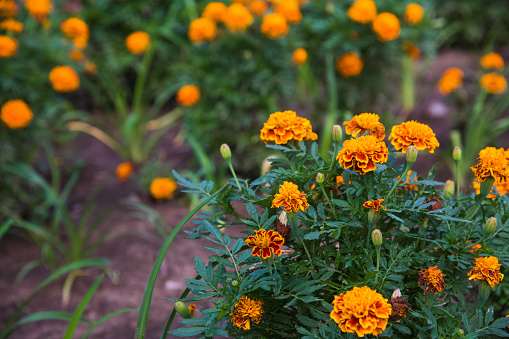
(332, 114)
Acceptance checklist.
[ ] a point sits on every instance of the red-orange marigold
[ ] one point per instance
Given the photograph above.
(413, 133)
(432, 279)
(290, 198)
(265, 243)
(362, 154)
(285, 126)
(363, 123)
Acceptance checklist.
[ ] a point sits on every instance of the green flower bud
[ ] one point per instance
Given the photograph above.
(182, 310)
(456, 153)
(235, 283)
(449, 189)
(373, 216)
(376, 237)
(337, 133)
(320, 178)
(461, 333)
(411, 154)
(225, 151)
(490, 226)
(484, 293)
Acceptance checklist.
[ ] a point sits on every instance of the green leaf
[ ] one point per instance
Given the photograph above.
(313, 235)
(489, 315)
(341, 203)
(187, 331)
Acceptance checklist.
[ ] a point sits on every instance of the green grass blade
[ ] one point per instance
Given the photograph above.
(81, 308)
(44, 316)
(141, 326)
(4, 228)
(106, 317)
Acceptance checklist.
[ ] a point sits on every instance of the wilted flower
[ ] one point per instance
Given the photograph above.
(258, 7)
(12, 25)
(64, 79)
(274, 25)
(374, 205)
(76, 30)
(362, 11)
(386, 26)
(38, 8)
(492, 60)
(493, 83)
(413, 133)
(247, 310)
(8, 46)
(285, 126)
(188, 95)
(124, 170)
(362, 154)
(299, 56)
(451, 80)
(265, 243)
(413, 13)
(437, 203)
(492, 163)
(399, 304)
(363, 123)
(138, 42)
(349, 64)
(362, 311)
(162, 188)
(290, 10)
(237, 18)
(214, 11)
(282, 225)
(290, 198)
(486, 268)
(16, 114)
(432, 279)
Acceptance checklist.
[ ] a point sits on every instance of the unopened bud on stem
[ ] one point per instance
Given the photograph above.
(337, 133)
(182, 310)
(490, 226)
(225, 151)
(456, 153)
(320, 178)
(411, 154)
(449, 189)
(376, 237)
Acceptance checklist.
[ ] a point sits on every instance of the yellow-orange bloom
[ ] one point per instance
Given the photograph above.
(162, 188)
(475, 249)
(502, 188)
(349, 64)
(8, 46)
(407, 186)
(214, 11)
(38, 8)
(492, 163)
(486, 268)
(451, 80)
(8, 8)
(124, 170)
(202, 29)
(138, 42)
(290, 10)
(290, 198)
(77, 30)
(432, 279)
(363, 123)
(285, 126)
(493, 83)
(386, 26)
(362, 311)
(76, 55)
(237, 18)
(362, 154)
(265, 243)
(64, 79)
(247, 310)
(299, 56)
(362, 11)
(274, 25)
(16, 114)
(258, 7)
(375, 205)
(413, 133)
(12, 25)
(492, 60)
(413, 14)
(188, 95)
(412, 50)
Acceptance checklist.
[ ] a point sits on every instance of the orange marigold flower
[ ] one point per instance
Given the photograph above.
(16, 114)
(214, 11)
(265, 243)
(432, 279)
(90, 67)
(349, 65)
(285, 126)
(12, 25)
(406, 185)
(413, 14)
(290, 10)
(501, 187)
(76, 55)
(192, 309)
(188, 95)
(162, 188)
(77, 30)
(363, 123)
(290, 198)
(258, 7)
(375, 205)
(362, 154)
(362, 311)
(341, 181)
(492, 163)
(138, 42)
(413, 133)
(386, 26)
(362, 11)
(493, 83)
(412, 50)
(201, 30)
(237, 18)
(451, 80)
(247, 310)
(38, 8)
(64, 79)
(274, 25)
(476, 248)
(299, 56)
(492, 60)
(486, 268)
(124, 170)
(8, 46)
(8, 8)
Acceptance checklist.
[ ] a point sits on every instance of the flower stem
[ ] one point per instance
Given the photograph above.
(458, 182)
(327, 197)
(377, 263)
(406, 168)
(233, 173)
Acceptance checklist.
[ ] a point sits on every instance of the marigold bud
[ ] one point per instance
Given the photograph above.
(376, 237)
(235, 283)
(373, 216)
(449, 189)
(490, 226)
(225, 151)
(461, 333)
(411, 154)
(320, 178)
(182, 309)
(456, 153)
(337, 133)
